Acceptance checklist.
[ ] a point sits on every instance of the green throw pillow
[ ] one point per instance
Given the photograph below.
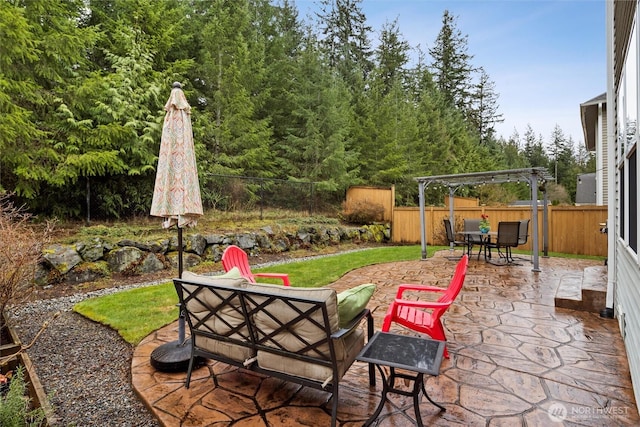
(352, 301)
(234, 273)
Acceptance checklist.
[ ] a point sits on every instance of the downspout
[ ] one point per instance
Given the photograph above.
(612, 220)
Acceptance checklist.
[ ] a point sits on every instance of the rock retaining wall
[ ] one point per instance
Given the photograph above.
(95, 258)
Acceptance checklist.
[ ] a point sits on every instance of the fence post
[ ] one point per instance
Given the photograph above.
(261, 197)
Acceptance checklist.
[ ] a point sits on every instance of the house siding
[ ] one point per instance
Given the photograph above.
(603, 159)
(627, 304)
(624, 261)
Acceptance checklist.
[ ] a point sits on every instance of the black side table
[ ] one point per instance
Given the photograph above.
(414, 354)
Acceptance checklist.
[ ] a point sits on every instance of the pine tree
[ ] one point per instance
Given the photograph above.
(346, 39)
(228, 79)
(483, 110)
(451, 64)
(391, 57)
(561, 153)
(317, 146)
(534, 149)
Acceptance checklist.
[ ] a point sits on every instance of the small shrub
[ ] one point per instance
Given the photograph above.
(15, 405)
(21, 244)
(363, 213)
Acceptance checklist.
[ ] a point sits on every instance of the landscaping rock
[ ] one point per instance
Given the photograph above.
(88, 272)
(125, 258)
(91, 250)
(150, 264)
(62, 257)
(196, 243)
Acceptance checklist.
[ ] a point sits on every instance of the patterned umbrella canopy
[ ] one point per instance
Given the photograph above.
(176, 195)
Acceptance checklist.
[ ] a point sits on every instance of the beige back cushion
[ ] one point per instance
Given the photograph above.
(346, 348)
(199, 309)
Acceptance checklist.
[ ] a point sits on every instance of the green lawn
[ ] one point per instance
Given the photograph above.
(137, 312)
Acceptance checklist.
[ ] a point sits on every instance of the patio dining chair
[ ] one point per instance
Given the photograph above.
(508, 232)
(425, 316)
(473, 239)
(451, 237)
(523, 233)
(234, 256)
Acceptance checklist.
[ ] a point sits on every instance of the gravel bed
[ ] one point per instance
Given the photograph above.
(85, 367)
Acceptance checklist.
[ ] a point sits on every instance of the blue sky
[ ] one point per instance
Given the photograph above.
(544, 56)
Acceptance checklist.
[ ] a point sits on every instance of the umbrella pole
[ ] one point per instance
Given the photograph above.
(180, 270)
(175, 356)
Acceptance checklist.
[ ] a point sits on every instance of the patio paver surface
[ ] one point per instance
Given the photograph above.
(515, 360)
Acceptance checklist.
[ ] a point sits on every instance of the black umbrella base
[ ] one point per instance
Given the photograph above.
(173, 357)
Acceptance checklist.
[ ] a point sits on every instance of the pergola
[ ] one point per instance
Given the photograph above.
(535, 177)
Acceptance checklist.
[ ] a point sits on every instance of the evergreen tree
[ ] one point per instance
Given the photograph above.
(83, 84)
(227, 79)
(564, 163)
(451, 64)
(383, 152)
(391, 57)
(42, 48)
(317, 145)
(483, 111)
(346, 39)
(534, 150)
(111, 123)
(284, 71)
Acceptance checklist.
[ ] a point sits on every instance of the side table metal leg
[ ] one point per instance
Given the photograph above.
(416, 398)
(424, 391)
(385, 389)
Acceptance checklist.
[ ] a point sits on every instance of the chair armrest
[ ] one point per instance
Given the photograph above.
(421, 304)
(410, 287)
(354, 323)
(281, 276)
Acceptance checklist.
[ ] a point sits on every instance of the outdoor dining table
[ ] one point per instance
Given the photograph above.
(484, 239)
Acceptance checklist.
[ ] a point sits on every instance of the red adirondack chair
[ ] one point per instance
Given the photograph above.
(233, 256)
(424, 316)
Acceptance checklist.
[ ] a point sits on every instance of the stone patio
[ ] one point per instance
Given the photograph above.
(516, 359)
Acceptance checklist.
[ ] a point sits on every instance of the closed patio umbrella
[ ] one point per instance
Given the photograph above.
(176, 198)
(176, 195)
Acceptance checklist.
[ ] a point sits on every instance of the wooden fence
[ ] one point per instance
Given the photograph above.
(383, 197)
(572, 229)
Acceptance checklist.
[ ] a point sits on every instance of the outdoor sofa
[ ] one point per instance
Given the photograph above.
(302, 335)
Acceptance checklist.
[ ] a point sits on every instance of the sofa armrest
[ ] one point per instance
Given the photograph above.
(354, 322)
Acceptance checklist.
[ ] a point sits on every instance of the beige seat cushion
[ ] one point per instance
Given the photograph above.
(348, 347)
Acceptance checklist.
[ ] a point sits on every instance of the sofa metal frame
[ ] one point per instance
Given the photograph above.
(245, 304)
